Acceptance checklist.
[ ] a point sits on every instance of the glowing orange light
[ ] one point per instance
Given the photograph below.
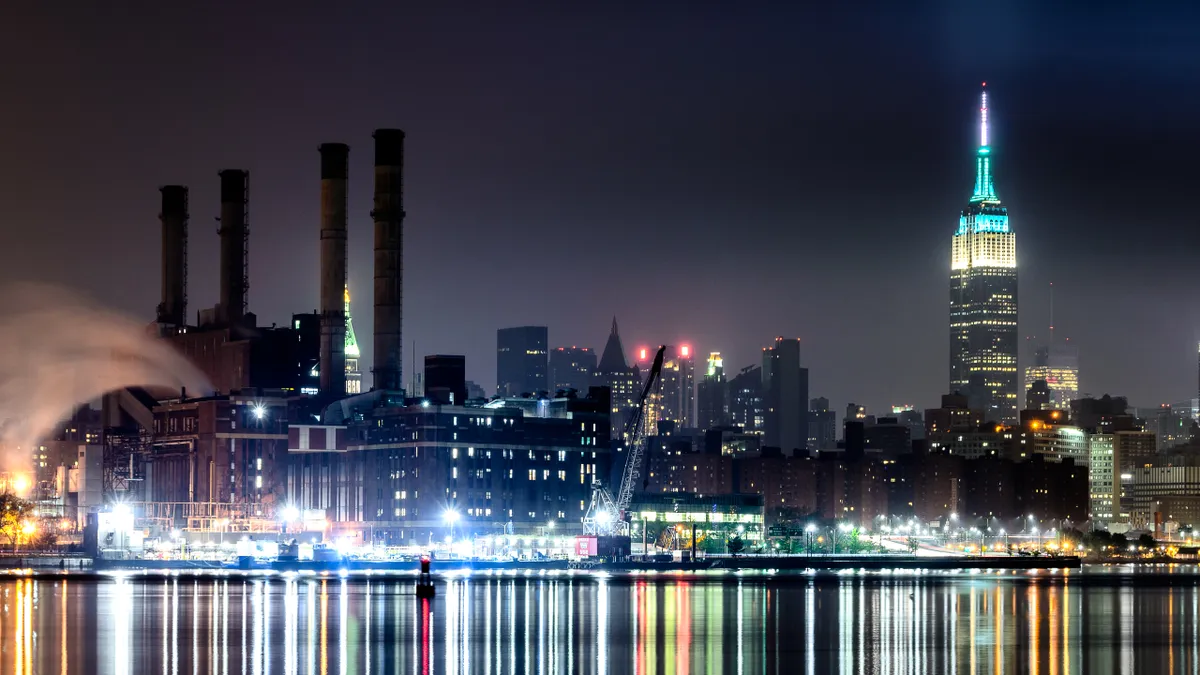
(685, 350)
(642, 354)
(1054, 414)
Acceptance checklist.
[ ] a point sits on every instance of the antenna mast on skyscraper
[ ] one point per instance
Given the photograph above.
(983, 136)
(1051, 314)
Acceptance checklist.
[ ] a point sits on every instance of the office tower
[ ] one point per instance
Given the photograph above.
(677, 387)
(572, 368)
(822, 425)
(785, 396)
(446, 379)
(746, 408)
(622, 381)
(1038, 395)
(983, 296)
(522, 361)
(353, 372)
(855, 412)
(712, 398)
(1058, 365)
(912, 418)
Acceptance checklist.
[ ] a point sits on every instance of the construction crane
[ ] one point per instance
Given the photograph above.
(607, 515)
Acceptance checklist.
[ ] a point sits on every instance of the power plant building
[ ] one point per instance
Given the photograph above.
(505, 468)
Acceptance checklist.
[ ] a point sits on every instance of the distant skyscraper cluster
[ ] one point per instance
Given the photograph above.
(983, 296)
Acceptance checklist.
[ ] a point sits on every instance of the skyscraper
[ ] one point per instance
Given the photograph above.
(983, 296)
(676, 399)
(712, 395)
(785, 395)
(1058, 365)
(572, 368)
(353, 374)
(621, 379)
(822, 425)
(522, 360)
(746, 400)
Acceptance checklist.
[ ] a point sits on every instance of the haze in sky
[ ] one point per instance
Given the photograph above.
(719, 175)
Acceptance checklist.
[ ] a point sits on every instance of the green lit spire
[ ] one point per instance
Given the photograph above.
(351, 341)
(984, 190)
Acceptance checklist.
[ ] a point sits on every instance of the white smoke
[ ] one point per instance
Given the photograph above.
(59, 350)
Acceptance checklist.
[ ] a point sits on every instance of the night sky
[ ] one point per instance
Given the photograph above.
(711, 175)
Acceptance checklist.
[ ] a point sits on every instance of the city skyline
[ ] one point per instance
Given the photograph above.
(595, 185)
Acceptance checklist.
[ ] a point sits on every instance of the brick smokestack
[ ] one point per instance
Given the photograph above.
(234, 239)
(334, 173)
(389, 257)
(172, 311)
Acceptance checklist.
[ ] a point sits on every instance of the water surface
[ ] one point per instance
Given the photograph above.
(850, 623)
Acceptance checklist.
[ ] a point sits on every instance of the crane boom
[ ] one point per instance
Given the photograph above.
(637, 436)
(606, 514)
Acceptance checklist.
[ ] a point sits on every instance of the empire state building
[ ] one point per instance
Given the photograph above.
(983, 296)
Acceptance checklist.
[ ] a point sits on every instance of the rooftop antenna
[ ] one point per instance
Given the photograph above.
(1051, 314)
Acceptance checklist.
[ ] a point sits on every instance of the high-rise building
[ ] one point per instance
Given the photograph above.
(822, 425)
(712, 395)
(572, 368)
(785, 396)
(446, 379)
(676, 398)
(353, 373)
(855, 413)
(623, 382)
(983, 296)
(1058, 366)
(746, 400)
(522, 360)
(1038, 395)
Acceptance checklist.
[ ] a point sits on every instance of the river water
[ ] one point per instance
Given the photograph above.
(1102, 620)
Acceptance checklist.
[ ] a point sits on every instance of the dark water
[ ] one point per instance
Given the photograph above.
(930, 623)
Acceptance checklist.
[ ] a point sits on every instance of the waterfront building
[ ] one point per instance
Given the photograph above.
(983, 296)
(406, 474)
(227, 452)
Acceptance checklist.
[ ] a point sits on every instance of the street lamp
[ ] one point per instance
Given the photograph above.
(451, 517)
(808, 535)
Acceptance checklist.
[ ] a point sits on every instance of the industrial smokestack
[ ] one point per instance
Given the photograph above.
(389, 256)
(172, 310)
(234, 241)
(334, 172)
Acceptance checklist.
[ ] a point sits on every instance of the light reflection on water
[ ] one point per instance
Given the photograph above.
(653, 625)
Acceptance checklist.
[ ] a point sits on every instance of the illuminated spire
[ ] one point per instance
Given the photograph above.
(351, 340)
(984, 190)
